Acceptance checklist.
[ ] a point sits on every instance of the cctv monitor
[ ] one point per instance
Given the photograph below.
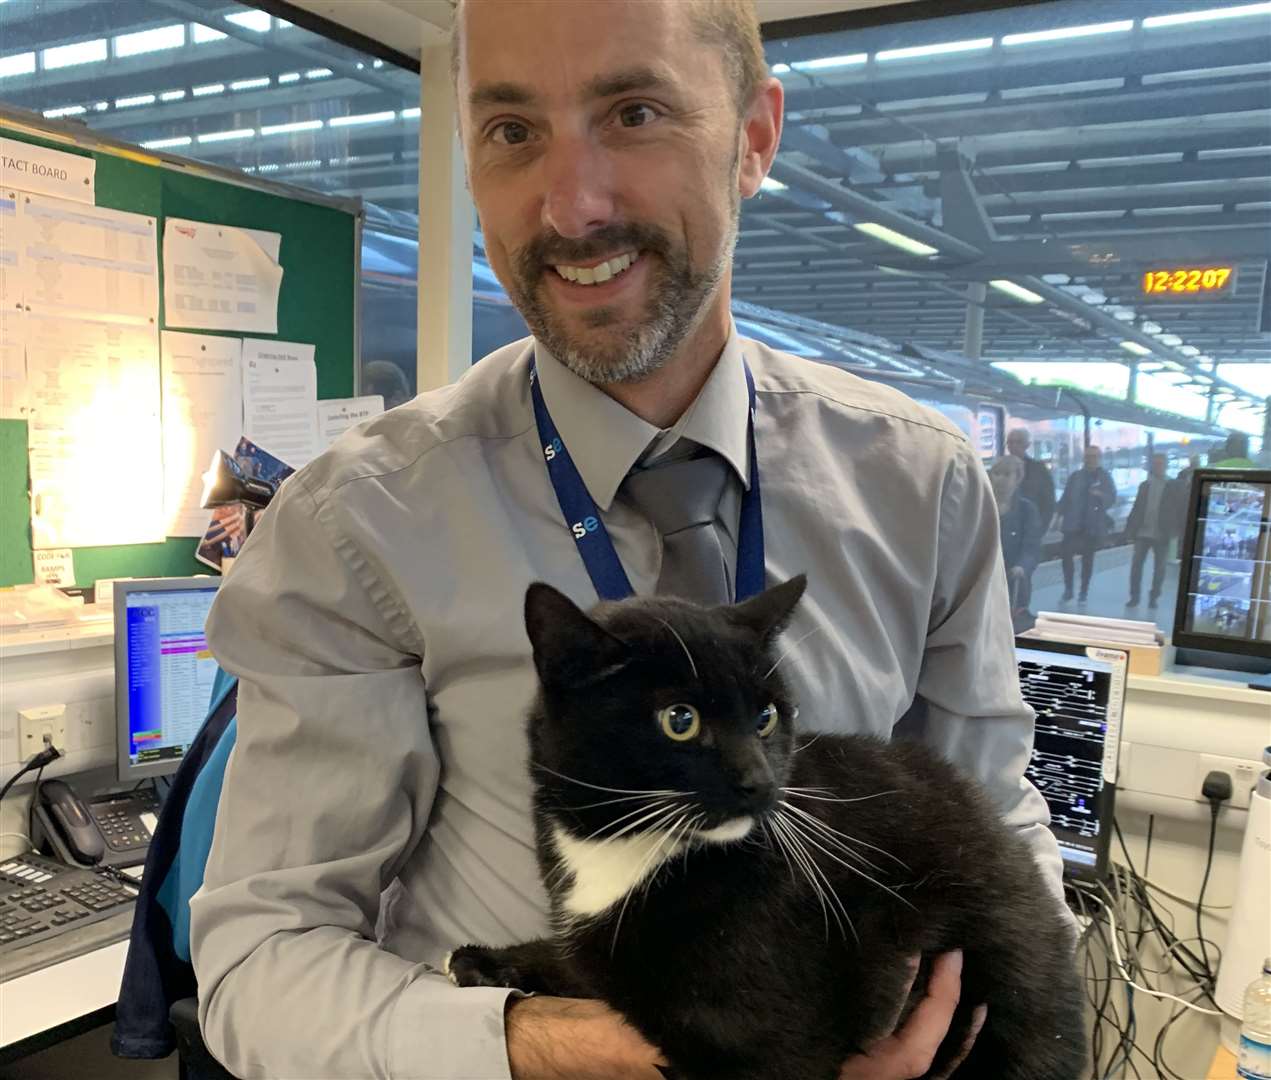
(163, 671)
(1223, 614)
(1078, 694)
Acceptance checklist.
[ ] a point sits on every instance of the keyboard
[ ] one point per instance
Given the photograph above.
(41, 898)
(126, 820)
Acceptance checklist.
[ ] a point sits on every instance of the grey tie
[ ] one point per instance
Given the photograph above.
(681, 499)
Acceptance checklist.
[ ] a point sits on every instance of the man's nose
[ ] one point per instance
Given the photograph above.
(579, 188)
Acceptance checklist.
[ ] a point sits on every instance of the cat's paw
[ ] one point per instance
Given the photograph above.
(475, 965)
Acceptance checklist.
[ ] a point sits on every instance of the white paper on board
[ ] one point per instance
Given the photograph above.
(218, 277)
(87, 261)
(10, 252)
(13, 379)
(93, 434)
(280, 398)
(54, 566)
(47, 172)
(337, 415)
(202, 413)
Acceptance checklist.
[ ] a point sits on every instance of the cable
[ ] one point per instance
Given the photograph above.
(38, 761)
(1217, 789)
(20, 836)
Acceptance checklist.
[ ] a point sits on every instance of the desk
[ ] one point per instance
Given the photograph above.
(1223, 1067)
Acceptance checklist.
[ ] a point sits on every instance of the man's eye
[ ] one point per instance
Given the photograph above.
(511, 132)
(636, 115)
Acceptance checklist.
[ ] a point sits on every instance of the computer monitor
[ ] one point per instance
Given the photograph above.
(1078, 693)
(1223, 614)
(163, 671)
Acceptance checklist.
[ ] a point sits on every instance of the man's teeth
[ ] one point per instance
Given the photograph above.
(595, 275)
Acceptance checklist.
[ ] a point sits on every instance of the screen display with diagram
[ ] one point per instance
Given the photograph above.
(169, 670)
(1078, 694)
(1228, 593)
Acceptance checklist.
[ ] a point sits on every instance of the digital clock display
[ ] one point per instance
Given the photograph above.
(1184, 280)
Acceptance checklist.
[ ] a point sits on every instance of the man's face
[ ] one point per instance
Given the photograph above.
(1158, 464)
(603, 144)
(1017, 442)
(1093, 456)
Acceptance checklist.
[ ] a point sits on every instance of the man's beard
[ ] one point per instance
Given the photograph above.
(678, 298)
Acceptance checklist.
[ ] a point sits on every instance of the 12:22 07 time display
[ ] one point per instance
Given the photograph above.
(1188, 280)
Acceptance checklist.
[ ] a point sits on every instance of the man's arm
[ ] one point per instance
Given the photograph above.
(328, 790)
(968, 704)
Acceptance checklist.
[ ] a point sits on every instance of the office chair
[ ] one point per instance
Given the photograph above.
(194, 1060)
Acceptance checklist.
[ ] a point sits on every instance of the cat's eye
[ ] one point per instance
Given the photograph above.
(680, 722)
(767, 721)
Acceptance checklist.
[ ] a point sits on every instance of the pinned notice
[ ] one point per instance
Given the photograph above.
(54, 566)
(48, 172)
(217, 277)
(280, 398)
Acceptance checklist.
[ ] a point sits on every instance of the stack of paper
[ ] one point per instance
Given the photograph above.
(1063, 624)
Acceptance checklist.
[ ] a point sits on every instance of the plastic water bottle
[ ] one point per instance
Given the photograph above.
(1255, 1033)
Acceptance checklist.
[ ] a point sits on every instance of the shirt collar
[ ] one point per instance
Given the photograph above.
(605, 439)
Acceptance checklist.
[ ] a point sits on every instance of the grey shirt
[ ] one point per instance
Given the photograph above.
(376, 807)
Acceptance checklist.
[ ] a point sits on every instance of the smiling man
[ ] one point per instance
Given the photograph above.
(376, 810)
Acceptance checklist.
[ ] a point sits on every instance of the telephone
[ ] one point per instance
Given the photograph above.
(107, 830)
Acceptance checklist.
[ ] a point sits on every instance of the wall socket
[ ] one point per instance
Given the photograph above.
(1244, 775)
(37, 722)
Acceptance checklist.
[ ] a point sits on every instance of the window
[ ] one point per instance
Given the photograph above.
(244, 90)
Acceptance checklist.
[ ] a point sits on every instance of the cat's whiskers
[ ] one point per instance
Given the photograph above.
(655, 853)
(788, 651)
(652, 817)
(625, 798)
(833, 837)
(677, 637)
(829, 899)
(598, 787)
(845, 837)
(803, 793)
(800, 749)
(774, 843)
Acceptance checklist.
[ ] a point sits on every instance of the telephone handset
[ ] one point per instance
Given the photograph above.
(110, 830)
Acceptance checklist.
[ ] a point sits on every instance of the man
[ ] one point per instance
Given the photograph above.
(1084, 518)
(1235, 453)
(376, 810)
(1150, 526)
(1038, 485)
(1021, 532)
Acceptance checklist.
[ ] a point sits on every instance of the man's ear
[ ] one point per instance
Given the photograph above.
(571, 649)
(767, 614)
(760, 136)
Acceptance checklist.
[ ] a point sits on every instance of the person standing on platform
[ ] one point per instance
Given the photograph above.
(1021, 528)
(1084, 517)
(1235, 453)
(1150, 526)
(1038, 485)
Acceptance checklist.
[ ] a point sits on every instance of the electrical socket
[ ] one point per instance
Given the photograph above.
(37, 722)
(1244, 774)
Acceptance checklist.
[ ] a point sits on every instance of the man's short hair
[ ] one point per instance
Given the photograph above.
(732, 25)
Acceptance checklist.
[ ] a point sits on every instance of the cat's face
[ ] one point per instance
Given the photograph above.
(654, 712)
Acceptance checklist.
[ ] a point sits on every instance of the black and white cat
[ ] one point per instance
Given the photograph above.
(747, 897)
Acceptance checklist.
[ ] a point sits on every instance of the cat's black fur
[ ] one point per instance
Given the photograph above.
(727, 960)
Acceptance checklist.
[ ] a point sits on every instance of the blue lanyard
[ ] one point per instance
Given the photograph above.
(582, 517)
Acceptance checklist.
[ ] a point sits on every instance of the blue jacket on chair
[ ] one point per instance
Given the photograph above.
(158, 970)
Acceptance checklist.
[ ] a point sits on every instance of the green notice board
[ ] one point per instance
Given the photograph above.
(317, 304)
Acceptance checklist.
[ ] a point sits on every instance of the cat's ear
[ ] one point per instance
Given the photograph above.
(768, 613)
(570, 648)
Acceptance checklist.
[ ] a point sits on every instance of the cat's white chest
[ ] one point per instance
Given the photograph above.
(605, 871)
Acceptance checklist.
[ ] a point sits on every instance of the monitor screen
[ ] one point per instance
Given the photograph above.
(1227, 587)
(1078, 694)
(164, 671)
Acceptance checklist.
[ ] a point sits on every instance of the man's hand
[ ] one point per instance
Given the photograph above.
(910, 1050)
(552, 1038)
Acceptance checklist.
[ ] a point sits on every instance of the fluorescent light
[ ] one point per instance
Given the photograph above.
(17, 64)
(900, 240)
(1189, 350)
(1136, 348)
(288, 77)
(1065, 32)
(363, 118)
(824, 62)
(318, 73)
(201, 34)
(129, 102)
(780, 69)
(145, 41)
(65, 110)
(226, 136)
(172, 95)
(1170, 339)
(249, 84)
(295, 125)
(935, 50)
(1185, 17)
(411, 114)
(82, 52)
(1017, 291)
(101, 106)
(210, 88)
(164, 144)
(250, 20)
(769, 184)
